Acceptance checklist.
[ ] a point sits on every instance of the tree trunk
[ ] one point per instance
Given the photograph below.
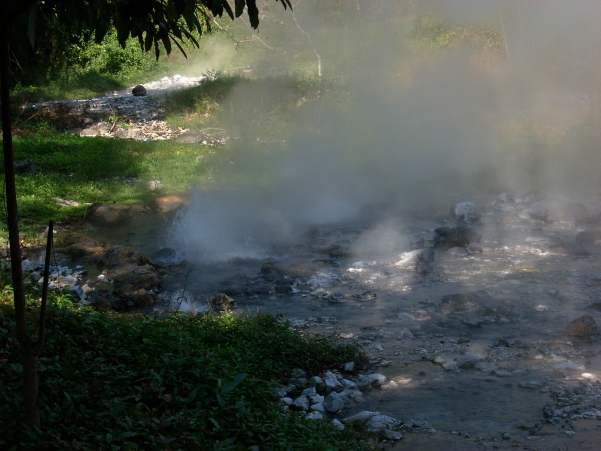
(29, 348)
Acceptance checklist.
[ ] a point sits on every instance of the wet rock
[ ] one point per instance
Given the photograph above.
(457, 303)
(549, 211)
(139, 91)
(588, 236)
(222, 302)
(108, 214)
(115, 256)
(460, 236)
(24, 166)
(169, 204)
(585, 326)
(421, 260)
(334, 402)
(465, 213)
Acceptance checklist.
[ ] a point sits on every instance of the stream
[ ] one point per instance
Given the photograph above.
(476, 346)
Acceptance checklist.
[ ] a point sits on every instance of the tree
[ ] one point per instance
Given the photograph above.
(153, 23)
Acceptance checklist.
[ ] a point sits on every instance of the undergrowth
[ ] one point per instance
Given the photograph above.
(175, 382)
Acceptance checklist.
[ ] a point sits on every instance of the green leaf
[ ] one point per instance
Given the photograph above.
(240, 4)
(233, 384)
(191, 396)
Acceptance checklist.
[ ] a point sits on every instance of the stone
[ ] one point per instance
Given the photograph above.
(300, 403)
(460, 236)
(332, 385)
(222, 302)
(585, 326)
(465, 213)
(334, 402)
(139, 91)
(108, 214)
(169, 204)
(421, 260)
(550, 211)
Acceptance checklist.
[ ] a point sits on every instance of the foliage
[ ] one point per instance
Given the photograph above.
(175, 382)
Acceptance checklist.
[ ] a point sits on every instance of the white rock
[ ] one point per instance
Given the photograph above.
(301, 403)
(334, 402)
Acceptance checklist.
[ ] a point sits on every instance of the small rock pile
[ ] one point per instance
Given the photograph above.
(328, 396)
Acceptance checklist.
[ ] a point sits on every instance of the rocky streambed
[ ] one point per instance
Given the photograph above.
(483, 328)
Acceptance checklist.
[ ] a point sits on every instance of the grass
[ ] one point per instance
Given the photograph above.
(88, 170)
(269, 104)
(174, 382)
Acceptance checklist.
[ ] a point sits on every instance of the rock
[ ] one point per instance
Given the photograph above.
(585, 326)
(457, 303)
(549, 211)
(460, 236)
(100, 128)
(116, 256)
(129, 133)
(421, 260)
(465, 213)
(332, 385)
(222, 302)
(139, 91)
(169, 204)
(24, 166)
(389, 434)
(65, 202)
(588, 236)
(373, 421)
(371, 381)
(334, 402)
(300, 403)
(154, 185)
(108, 214)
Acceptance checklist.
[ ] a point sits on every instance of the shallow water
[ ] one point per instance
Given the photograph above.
(474, 371)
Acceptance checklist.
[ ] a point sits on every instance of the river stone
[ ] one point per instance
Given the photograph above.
(108, 214)
(550, 211)
(465, 213)
(139, 91)
(301, 403)
(457, 303)
(332, 385)
(373, 421)
(460, 236)
(585, 326)
(334, 402)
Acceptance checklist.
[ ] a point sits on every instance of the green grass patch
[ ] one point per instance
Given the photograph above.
(176, 382)
(266, 103)
(88, 170)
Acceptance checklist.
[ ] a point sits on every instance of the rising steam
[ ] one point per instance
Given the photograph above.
(418, 127)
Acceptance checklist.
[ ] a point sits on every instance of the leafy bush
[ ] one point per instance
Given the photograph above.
(176, 382)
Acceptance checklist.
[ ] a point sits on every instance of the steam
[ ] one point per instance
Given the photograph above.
(417, 128)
